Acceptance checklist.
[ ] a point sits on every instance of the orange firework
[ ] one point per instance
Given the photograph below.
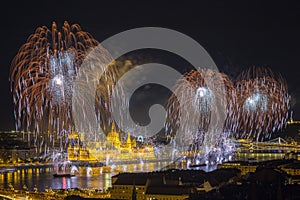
(263, 104)
(201, 97)
(43, 73)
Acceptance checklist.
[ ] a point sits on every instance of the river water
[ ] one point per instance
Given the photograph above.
(99, 178)
(42, 178)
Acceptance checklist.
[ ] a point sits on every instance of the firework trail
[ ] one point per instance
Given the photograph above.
(263, 104)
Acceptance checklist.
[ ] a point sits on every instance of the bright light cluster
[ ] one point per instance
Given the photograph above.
(256, 102)
(62, 74)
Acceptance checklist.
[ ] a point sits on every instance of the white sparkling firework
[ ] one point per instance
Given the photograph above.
(263, 104)
(203, 92)
(41, 78)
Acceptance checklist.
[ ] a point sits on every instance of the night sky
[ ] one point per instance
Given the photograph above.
(237, 35)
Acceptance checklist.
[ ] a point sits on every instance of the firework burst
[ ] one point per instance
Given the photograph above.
(42, 75)
(263, 104)
(199, 109)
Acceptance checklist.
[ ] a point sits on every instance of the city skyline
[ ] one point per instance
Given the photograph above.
(235, 36)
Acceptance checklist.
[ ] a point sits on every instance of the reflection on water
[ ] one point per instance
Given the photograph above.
(247, 156)
(86, 177)
(43, 179)
(140, 167)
